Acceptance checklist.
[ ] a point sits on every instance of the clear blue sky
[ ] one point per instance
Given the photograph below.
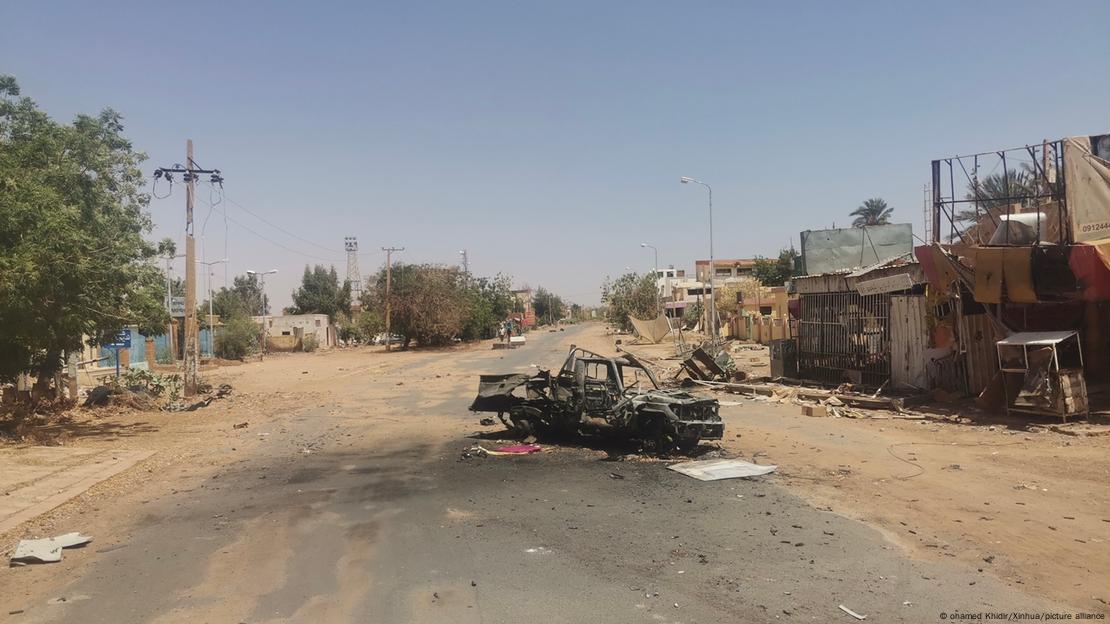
(548, 138)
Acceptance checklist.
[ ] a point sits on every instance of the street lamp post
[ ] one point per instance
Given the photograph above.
(211, 328)
(655, 275)
(262, 287)
(712, 270)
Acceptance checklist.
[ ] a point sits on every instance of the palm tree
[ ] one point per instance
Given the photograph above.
(992, 192)
(872, 212)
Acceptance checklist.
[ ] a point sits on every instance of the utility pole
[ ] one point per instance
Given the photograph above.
(190, 171)
(265, 308)
(388, 288)
(191, 343)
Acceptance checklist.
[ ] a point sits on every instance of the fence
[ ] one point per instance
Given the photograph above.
(844, 336)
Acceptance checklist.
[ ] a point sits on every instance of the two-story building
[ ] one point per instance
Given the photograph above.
(724, 269)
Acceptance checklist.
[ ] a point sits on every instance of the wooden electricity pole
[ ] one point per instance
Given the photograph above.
(190, 171)
(388, 288)
(191, 364)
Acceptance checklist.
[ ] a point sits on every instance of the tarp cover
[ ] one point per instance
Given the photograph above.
(1088, 187)
(653, 330)
(828, 251)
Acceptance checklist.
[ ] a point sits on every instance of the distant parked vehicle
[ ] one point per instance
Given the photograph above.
(380, 339)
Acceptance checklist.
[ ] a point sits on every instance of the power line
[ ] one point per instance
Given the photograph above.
(278, 227)
(223, 211)
(225, 197)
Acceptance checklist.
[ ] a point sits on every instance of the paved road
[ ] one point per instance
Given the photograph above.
(407, 530)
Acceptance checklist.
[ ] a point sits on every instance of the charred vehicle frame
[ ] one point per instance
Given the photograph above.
(593, 393)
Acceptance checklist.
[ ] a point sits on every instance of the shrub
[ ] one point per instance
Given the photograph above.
(238, 339)
(309, 343)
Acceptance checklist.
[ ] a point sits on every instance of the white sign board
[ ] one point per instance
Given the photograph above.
(177, 306)
(890, 283)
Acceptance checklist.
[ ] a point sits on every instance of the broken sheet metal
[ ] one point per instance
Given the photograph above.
(46, 550)
(716, 469)
(495, 392)
(826, 251)
(704, 367)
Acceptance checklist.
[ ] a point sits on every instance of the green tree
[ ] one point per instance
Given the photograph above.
(321, 293)
(248, 288)
(775, 272)
(632, 295)
(243, 299)
(73, 259)
(429, 304)
(238, 338)
(872, 212)
(548, 306)
(489, 301)
(359, 327)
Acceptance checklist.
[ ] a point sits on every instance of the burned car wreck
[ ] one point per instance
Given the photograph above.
(592, 393)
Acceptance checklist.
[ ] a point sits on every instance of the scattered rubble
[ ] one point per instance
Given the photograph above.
(852, 613)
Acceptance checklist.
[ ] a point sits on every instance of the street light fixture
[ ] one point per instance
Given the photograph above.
(262, 287)
(712, 270)
(211, 327)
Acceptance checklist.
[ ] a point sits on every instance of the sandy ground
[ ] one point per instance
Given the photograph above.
(1030, 510)
(1009, 497)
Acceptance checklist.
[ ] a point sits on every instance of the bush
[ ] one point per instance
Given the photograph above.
(238, 339)
(309, 343)
(139, 380)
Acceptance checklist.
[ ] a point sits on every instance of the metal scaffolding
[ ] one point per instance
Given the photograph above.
(989, 184)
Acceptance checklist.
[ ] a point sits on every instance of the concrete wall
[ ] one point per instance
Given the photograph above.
(311, 324)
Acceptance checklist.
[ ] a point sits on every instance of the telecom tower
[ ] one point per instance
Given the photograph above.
(354, 278)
